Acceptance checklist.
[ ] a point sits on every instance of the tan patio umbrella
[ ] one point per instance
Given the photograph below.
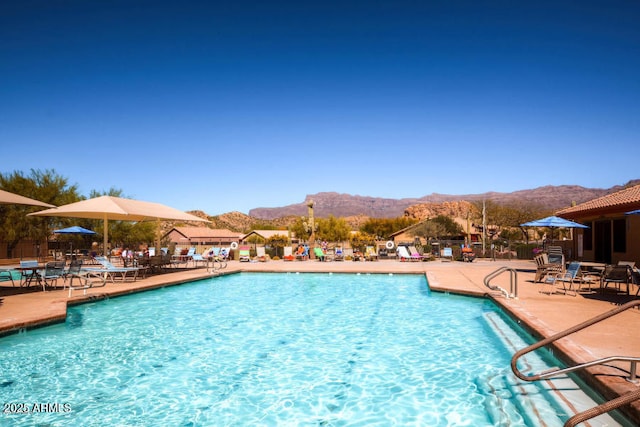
(117, 208)
(7, 198)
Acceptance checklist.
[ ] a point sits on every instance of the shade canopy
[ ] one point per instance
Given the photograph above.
(636, 212)
(8, 198)
(553, 222)
(76, 229)
(117, 208)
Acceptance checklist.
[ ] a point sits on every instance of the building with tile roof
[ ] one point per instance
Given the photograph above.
(205, 236)
(612, 235)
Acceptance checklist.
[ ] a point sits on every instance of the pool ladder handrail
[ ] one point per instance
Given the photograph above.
(513, 280)
(604, 407)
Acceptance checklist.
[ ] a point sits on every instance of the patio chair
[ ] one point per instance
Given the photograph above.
(547, 264)
(573, 275)
(618, 275)
(51, 273)
(5, 276)
(183, 256)
(338, 254)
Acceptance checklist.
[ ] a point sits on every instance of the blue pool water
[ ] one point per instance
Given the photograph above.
(265, 349)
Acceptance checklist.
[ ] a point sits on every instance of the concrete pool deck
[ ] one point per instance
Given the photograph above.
(543, 314)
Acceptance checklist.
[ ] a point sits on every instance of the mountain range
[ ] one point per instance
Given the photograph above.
(344, 205)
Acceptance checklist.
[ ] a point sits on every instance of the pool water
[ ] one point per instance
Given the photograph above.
(268, 349)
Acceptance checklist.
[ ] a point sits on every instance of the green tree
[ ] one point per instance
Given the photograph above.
(46, 186)
(429, 230)
(383, 228)
(277, 241)
(333, 229)
(299, 230)
(360, 240)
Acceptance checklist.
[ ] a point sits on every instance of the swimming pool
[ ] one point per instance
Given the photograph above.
(272, 349)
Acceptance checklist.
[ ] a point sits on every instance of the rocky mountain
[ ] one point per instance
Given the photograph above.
(345, 205)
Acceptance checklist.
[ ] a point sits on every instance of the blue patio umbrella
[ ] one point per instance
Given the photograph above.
(76, 229)
(636, 212)
(553, 222)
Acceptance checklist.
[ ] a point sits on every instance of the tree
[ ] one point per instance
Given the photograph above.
(299, 230)
(383, 228)
(277, 241)
(46, 186)
(333, 229)
(360, 240)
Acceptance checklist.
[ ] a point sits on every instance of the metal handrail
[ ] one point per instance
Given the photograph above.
(600, 409)
(513, 281)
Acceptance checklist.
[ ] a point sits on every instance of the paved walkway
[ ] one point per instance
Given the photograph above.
(543, 314)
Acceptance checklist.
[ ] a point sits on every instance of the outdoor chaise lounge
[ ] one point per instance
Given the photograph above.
(338, 254)
(261, 254)
(114, 272)
(288, 254)
(370, 253)
(244, 254)
(320, 255)
(404, 255)
(85, 279)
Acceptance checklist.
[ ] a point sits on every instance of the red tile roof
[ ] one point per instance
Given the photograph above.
(205, 232)
(618, 202)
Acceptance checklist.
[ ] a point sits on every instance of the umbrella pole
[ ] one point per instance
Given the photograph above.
(105, 237)
(157, 235)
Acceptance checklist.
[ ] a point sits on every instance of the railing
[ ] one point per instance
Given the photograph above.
(600, 409)
(513, 280)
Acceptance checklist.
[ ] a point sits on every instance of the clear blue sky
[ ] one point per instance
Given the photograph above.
(232, 105)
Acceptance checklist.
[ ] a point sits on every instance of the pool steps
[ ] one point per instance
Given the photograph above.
(548, 402)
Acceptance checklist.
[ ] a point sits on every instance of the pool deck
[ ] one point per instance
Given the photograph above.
(543, 314)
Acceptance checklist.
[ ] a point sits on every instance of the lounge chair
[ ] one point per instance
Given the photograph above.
(573, 275)
(288, 254)
(261, 254)
(196, 258)
(244, 254)
(416, 254)
(319, 253)
(404, 255)
(121, 272)
(85, 278)
(370, 253)
(338, 255)
(302, 253)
